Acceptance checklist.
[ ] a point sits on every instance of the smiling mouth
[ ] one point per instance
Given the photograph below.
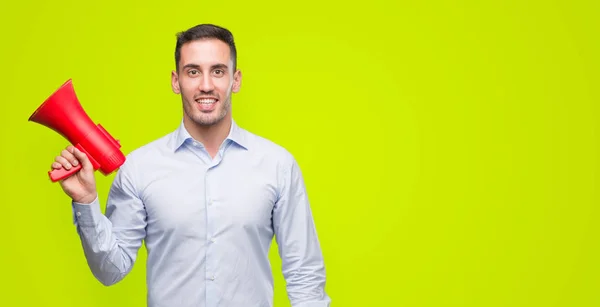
(206, 100)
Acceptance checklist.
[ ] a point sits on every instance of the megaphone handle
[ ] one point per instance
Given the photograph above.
(60, 174)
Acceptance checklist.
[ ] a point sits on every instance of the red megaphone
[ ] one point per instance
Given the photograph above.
(63, 113)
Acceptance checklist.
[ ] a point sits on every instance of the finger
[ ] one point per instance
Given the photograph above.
(69, 156)
(63, 162)
(85, 162)
(56, 165)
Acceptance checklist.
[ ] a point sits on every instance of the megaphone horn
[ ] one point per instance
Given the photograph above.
(63, 113)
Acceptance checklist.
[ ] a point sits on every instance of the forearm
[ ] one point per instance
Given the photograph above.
(106, 258)
(304, 272)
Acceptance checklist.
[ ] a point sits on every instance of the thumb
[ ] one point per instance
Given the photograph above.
(83, 159)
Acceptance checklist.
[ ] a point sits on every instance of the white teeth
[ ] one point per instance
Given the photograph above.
(206, 101)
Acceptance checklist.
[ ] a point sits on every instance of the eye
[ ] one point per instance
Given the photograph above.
(193, 72)
(219, 72)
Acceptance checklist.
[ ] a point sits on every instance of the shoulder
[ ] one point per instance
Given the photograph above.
(139, 162)
(147, 153)
(270, 149)
(152, 148)
(275, 157)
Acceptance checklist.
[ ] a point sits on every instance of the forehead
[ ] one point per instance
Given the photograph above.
(205, 52)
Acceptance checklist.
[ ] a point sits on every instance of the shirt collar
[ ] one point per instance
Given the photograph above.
(236, 135)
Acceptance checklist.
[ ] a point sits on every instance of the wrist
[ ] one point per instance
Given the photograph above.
(86, 200)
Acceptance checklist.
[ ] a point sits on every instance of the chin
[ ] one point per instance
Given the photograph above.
(203, 120)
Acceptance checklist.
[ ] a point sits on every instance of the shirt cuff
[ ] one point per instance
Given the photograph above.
(87, 215)
(324, 303)
(314, 304)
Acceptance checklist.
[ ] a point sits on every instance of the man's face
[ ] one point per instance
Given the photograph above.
(206, 81)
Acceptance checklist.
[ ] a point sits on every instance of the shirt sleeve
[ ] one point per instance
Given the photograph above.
(302, 261)
(111, 242)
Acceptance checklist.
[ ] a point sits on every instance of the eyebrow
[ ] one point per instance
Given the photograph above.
(196, 66)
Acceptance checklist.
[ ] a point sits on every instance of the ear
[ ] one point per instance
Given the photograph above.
(237, 81)
(175, 82)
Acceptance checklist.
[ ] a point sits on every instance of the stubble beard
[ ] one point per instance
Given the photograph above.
(207, 119)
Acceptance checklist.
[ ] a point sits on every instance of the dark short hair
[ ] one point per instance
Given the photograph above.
(205, 31)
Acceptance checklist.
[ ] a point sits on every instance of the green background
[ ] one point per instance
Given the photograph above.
(450, 148)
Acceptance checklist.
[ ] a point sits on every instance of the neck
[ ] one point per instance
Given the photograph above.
(210, 136)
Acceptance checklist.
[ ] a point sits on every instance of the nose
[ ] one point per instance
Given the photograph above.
(206, 84)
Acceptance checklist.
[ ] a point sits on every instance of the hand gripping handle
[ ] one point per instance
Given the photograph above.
(62, 173)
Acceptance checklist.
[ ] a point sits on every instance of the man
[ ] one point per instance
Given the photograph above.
(207, 199)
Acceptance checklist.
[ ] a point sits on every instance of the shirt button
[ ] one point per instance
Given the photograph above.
(212, 240)
(78, 213)
(212, 278)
